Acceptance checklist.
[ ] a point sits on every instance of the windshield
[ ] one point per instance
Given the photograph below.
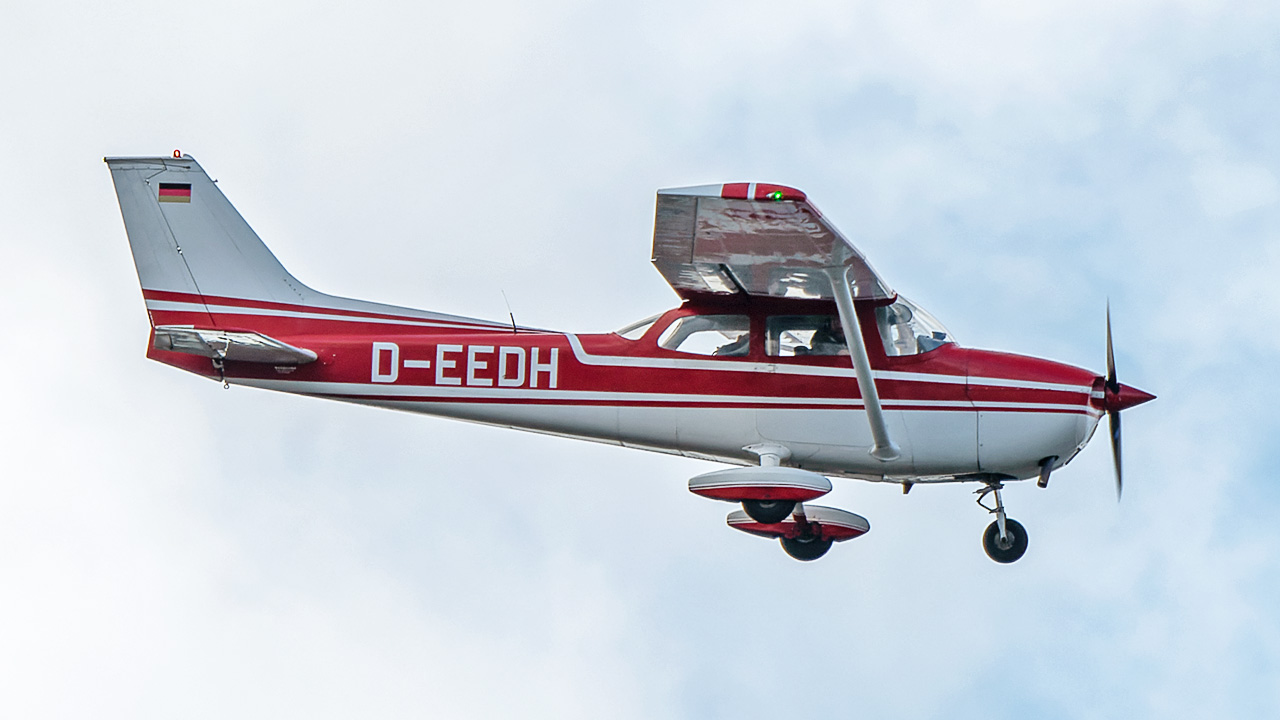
(637, 329)
(908, 329)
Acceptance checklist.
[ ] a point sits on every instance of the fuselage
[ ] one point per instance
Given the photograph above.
(956, 413)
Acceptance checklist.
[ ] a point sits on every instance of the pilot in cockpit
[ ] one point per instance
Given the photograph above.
(898, 320)
(906, 329)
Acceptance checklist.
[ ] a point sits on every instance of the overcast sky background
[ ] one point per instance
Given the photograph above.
(171, 549)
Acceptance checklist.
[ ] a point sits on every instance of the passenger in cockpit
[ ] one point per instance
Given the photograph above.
(735, 348)
(829, 339)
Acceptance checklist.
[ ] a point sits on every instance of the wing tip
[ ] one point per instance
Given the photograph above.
(741, 191)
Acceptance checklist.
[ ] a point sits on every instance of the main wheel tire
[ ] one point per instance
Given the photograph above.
(1014, 546)
(805, 549)
(768, 511)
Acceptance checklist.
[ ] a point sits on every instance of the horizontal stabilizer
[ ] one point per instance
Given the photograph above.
(237, 346)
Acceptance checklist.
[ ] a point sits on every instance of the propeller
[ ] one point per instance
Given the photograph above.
(1117, 397)
(1113, 416)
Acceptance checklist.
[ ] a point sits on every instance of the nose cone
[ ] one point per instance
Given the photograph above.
(1124, 397)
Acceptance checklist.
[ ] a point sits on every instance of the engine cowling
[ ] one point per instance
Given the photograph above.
(760, 483)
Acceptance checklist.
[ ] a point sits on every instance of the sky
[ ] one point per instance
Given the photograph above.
(172, 549)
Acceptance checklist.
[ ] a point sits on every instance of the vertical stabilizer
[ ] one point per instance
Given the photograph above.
(187, 238)
(196, 256)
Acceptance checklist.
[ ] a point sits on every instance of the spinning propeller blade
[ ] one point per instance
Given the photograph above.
(1112, 384)
(1114, 417)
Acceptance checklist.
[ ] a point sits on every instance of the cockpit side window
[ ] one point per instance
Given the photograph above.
(719, 335)
(907, 329)
(793, 335)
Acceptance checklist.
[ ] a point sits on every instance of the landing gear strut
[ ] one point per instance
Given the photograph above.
(1005, 539)
(808, 544)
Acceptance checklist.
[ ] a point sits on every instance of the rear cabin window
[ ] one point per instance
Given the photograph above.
(718, 335)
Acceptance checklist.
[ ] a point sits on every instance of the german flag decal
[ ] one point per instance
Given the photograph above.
(175, 192)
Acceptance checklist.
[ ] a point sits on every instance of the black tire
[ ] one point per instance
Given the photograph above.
(1016, 543)
(805, 549)
(768, 511)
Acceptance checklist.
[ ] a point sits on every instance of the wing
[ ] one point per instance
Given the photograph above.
(754, 238)
(770, 240)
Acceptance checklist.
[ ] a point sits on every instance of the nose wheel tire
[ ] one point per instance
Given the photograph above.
(805, 548)
(768, 511)
(1005, 550)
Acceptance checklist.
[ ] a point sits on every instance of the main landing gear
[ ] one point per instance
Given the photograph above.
(807, 545)
(1005, 539)
(773, 504)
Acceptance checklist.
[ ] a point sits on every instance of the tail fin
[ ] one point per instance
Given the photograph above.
(187, 238)
(195, 254)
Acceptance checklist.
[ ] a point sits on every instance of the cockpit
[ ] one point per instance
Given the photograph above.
(905, 329)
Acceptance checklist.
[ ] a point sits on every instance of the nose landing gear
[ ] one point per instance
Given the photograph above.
(1005, 540)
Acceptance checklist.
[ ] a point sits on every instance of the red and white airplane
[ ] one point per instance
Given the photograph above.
(789, 357)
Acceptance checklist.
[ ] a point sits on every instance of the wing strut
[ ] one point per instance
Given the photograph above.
(884, 448)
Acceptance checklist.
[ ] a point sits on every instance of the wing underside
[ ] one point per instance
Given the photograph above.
(756, 239)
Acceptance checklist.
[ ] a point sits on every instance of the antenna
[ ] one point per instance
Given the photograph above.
(511, 314)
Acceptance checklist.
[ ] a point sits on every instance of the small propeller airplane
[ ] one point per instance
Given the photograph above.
(789, 357)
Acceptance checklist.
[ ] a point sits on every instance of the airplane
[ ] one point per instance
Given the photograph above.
(788, 358)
